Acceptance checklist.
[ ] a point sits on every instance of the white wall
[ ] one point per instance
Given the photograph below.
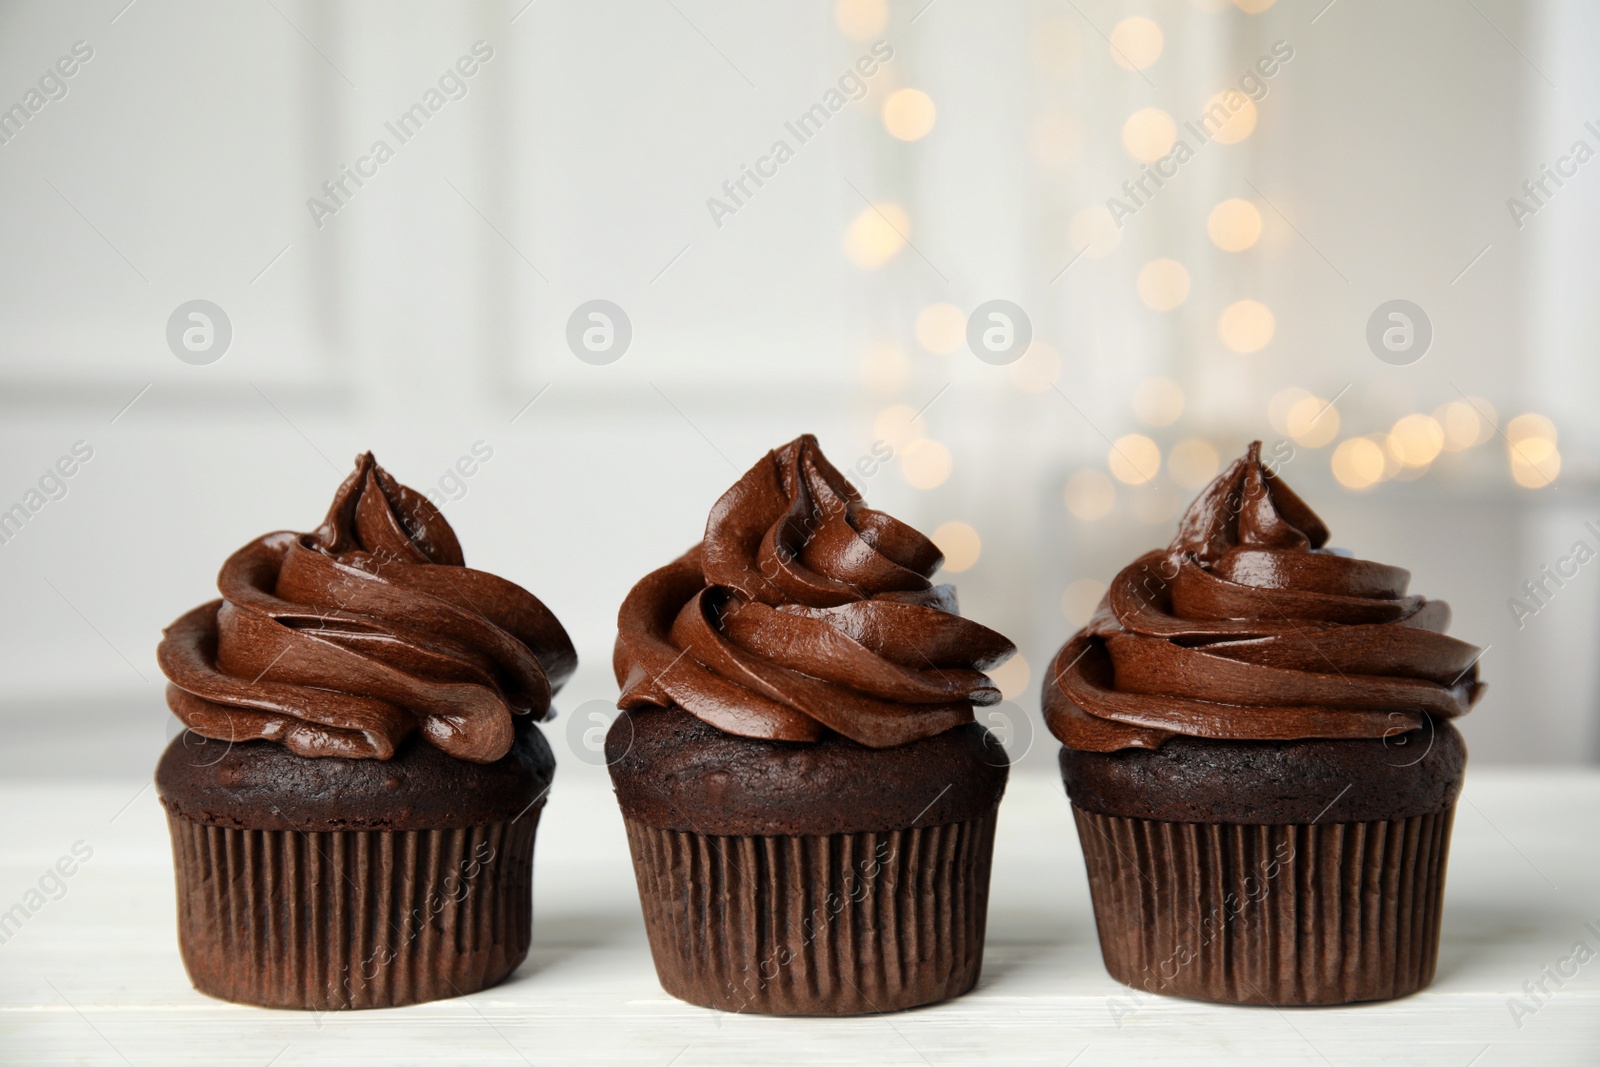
(424, 315)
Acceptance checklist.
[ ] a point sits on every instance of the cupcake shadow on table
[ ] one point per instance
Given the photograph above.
(354, 802)
(1258, 748)
(809, 802)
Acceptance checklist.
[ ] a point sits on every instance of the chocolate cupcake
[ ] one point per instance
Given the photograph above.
(809, 801)
(353, 804)
(1260, 758)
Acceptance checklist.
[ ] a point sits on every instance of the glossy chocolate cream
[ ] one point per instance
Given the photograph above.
(1247, 627)
(344, 641)
(804, 611)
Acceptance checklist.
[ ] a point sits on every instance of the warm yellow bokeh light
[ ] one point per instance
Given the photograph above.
(1094, 232)
(1090, 495)
(1011, 677)
(1054, 139)
(885, 369)
(1283, 402)
(1312, 422)
(1464, 424)
(1532, 450)
(1163, 284)
(1358, 463)
(1531, 425)
(925, 463)
(1079, 600)
(1149, 134)
(1037, 370)
(1535, 462)
(908, 114)
(899, 425)
(1229, 117)
(1193, 463)
(1158, 401)
(1253, 7)
(960, 544)
(875, 235)
(941, 328)
(1416, 440)
(1246, 326)
(1136, 43)
(1134, 459)
(1531, 446)
(861, 20)
(1234, 225)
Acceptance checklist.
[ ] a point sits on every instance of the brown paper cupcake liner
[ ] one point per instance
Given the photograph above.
(840, 924)
(352, 918)
(1268, 914)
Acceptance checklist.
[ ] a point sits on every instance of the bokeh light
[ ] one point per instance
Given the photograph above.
(1465, 423)
(861, 20)
(1163, 284)
(885, 369)
(1238, 125)
(941, 328)
(1079, 600)
(1531, 448)
(1011, 677)
(1234, 225)
(1193, 463)
(1535, 463)
(908, 114)
(1253, 7)
(1312, 421)
(1530, 425)
(960, 544)
(1136, 43)
(875, 235)
(1090, 495)
(925, 463)
(1149, 134)
(1358, 463)
(1282, 402)
(1416, 441)
(1158, 401)
(1134, 459)
(1246, 326)
(899, 425)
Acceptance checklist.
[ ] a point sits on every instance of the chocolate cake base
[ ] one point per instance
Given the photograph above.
(1195, 779)
(808, 879)
(325, 884)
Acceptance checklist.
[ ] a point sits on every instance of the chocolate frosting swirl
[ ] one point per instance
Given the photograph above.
(344, 641)
(1247, 628)
(804, 610)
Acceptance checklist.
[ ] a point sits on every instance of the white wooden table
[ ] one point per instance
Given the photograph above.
(94, 976)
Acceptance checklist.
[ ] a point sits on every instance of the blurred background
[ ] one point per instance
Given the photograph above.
(244, 241)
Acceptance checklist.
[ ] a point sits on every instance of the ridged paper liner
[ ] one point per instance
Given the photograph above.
(1268, 914)
(352, 918)
(840, 924)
